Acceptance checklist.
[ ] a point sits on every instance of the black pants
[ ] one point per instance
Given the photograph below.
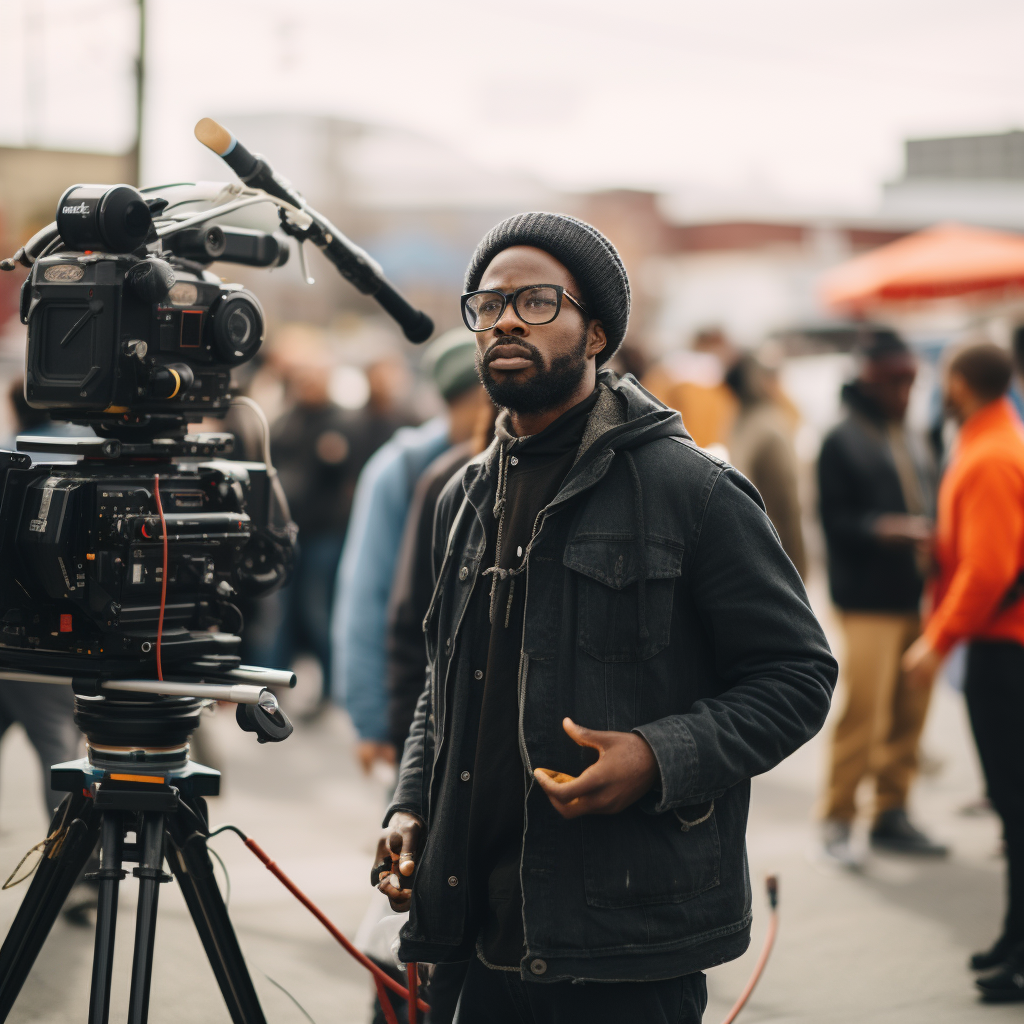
(994, 688)
(46, 713)
(502, 997)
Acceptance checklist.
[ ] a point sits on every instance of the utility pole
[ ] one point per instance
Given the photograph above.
(140, 95)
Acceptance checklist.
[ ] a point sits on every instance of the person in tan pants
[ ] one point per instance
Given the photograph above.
(876, 487)
(879, 731)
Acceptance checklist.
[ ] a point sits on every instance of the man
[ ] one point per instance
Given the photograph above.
(617, 644)
(979, 547)
(761, 448)
(876, 485)
(367, 569)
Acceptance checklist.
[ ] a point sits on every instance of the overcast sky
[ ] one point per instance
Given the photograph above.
(808, 100)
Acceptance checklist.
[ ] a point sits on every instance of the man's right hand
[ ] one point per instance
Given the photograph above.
(370, 751)
(400, 844)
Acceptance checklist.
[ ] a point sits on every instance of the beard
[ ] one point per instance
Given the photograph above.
(546, 389)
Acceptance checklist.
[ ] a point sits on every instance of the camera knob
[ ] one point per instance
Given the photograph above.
(170, 381)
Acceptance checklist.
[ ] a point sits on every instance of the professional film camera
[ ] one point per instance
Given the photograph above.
(122, 569)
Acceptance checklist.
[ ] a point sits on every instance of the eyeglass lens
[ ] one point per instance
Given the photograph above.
(536, 305)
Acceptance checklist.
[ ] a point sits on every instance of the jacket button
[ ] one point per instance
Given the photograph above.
(478, 674)
(448, 642)
(463, 573)
(453, 881)
(464, 776)
(513, 461)
(538, 966)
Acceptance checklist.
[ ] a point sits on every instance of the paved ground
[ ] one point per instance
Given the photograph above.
(886, 946)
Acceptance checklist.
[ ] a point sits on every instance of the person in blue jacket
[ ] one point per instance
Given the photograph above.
(379, 511)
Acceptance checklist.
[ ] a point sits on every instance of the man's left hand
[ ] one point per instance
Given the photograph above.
(920, 663)
(625, 770)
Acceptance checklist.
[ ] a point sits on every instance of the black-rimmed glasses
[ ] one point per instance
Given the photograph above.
(534, 304)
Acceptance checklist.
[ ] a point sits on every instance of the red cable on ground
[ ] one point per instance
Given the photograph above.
(769, 941)
(380, 977)
(384, 981)
(414, 979)
(163, 580)
(385, 1003)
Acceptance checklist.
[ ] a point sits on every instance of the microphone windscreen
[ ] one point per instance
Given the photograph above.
(214, 136)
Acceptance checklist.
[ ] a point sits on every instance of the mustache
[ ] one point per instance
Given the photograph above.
(534, 352)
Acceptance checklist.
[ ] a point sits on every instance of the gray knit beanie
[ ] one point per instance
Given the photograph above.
(582, 250)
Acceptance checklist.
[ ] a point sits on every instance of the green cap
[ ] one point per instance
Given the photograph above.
(451, 360)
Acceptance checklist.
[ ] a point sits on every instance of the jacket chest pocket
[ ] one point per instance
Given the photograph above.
(624, 603)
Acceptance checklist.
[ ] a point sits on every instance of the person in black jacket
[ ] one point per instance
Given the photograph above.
(877, 487)
(617, 643)
(414, 578)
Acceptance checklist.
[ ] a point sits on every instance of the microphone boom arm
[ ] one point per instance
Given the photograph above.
(353, 263)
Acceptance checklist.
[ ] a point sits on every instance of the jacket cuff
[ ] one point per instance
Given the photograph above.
(676, 754)
(395, 808)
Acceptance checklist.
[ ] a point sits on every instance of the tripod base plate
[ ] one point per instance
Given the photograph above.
(152, 787)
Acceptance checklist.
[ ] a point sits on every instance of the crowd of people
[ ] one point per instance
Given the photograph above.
(668, 652)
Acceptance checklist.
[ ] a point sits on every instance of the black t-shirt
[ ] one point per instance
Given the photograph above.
(534, 470)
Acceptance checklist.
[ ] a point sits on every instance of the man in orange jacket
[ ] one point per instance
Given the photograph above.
(978, 597)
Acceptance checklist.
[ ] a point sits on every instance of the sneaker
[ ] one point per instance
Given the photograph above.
(995, 956)
(894, 834)
(836, 844)
(1005, 985)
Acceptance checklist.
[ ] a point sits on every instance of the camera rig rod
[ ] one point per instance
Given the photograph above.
(237, 693)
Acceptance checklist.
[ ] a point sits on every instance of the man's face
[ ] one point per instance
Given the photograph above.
(527, 367)
(956, 396)
(889, 381)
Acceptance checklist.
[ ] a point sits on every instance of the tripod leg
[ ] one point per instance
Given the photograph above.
(53, 879)
(151, 873)
(109, 876)
(193, 869)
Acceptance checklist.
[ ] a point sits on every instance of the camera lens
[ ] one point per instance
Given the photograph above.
(237, 327)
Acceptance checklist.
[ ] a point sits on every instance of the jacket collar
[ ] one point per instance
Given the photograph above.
(625, 416)
(995, 417)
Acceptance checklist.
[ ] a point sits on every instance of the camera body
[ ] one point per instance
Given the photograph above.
(82, 551)
(109, 333)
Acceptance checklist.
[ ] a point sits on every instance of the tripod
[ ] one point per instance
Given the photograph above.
(157, 794)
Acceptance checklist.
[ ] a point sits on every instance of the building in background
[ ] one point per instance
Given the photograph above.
(31, 182)
(977, 179)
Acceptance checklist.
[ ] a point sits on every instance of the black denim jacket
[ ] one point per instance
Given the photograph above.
(658, 600)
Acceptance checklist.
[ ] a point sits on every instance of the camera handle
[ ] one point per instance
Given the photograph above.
(352, 262)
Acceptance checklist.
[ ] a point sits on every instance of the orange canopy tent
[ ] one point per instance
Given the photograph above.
(947, 260)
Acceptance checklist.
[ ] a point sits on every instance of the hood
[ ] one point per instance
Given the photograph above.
(855, 398)
(625, 416)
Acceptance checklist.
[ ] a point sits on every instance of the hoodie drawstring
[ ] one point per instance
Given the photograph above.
(496, 573)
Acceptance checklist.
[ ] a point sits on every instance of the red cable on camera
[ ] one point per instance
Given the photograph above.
(163, 581)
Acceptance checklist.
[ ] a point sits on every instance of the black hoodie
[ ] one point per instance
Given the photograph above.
(857, 482)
